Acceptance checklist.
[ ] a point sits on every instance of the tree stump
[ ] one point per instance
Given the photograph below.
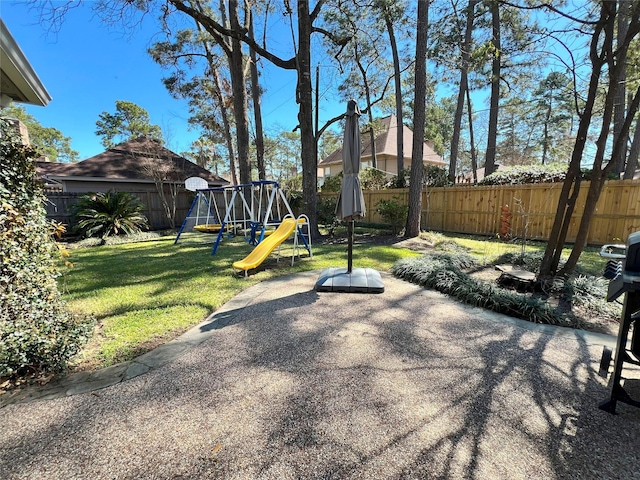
(521, 280)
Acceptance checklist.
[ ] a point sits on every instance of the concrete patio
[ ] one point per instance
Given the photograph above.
(284, 382)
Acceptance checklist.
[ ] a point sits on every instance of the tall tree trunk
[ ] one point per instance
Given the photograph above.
(305, 117)
(224, 112)
(545, 134)
(492, 138)
(398, 89)
(302, 63)
(257, 109)
(457, 126)
(601, 51)
(597, 180)
(621, 92)
(412, 228)
(571, 184)
(634, 154)
(367, 96)
(463, 88)
(372, 139)
(227, 127)
(474, 157)
(238, 86)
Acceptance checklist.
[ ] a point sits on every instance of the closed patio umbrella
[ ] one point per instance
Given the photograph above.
(350, 206)
(351, 201)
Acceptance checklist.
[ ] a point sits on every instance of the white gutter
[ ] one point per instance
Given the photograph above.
(18, 80)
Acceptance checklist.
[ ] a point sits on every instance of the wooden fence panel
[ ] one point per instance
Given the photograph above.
(476, 209)
(59, 207)
(617, 212)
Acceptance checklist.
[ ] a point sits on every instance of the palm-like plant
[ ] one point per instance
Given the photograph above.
(109, 213)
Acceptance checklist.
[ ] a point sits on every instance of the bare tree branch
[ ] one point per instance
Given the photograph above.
(214, 28)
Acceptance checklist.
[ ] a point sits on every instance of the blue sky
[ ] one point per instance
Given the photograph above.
(87, 66)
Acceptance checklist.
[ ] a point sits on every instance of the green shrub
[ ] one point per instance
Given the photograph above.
(332, 184)
(294, 197)
(111, 213)
(394, 212)
(589, 293)
(326, 210)
(372, 179)
(292, 183)
(444, 273)
(293, 190)
(37, 333)
(522, 174)
(432, 176)
(400, 181)
(588, 172)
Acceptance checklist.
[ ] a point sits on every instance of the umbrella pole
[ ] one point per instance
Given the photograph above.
(350, 250)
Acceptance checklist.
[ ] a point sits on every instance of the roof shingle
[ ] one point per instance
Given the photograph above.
(123, 162)
(387, 144)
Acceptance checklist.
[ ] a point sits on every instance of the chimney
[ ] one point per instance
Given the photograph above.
(20, 129)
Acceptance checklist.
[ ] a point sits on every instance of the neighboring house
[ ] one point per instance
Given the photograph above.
(18, 80)
(386, 152)
(132, 166)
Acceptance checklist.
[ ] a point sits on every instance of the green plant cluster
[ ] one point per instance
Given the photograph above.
(444, 273)
(523, 174)
(326, 210)
(394, 212)
(295, 197)
(400, 181)
(530, 261)
(449, 246)
(109, 213)
(37, 333)
(372, 179)
(588, 172)
(589, 293)
(432, 176)
(332, 184)
(293, 190)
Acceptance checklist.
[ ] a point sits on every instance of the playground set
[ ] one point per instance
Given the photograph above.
(259, 211)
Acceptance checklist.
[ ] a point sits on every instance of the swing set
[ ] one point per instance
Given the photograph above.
(257, 210)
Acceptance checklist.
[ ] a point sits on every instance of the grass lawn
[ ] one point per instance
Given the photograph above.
(147, 293)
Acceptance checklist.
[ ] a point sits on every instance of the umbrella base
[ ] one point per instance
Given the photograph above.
(360, 280)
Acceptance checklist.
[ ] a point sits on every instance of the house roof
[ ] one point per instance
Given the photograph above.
(122, 163)
(387, 144)
(18, 80)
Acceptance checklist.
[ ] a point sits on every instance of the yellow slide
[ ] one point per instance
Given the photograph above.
(268, 245)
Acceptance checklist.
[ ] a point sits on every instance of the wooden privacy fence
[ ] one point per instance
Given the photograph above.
(59, 207)
(477, 209)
